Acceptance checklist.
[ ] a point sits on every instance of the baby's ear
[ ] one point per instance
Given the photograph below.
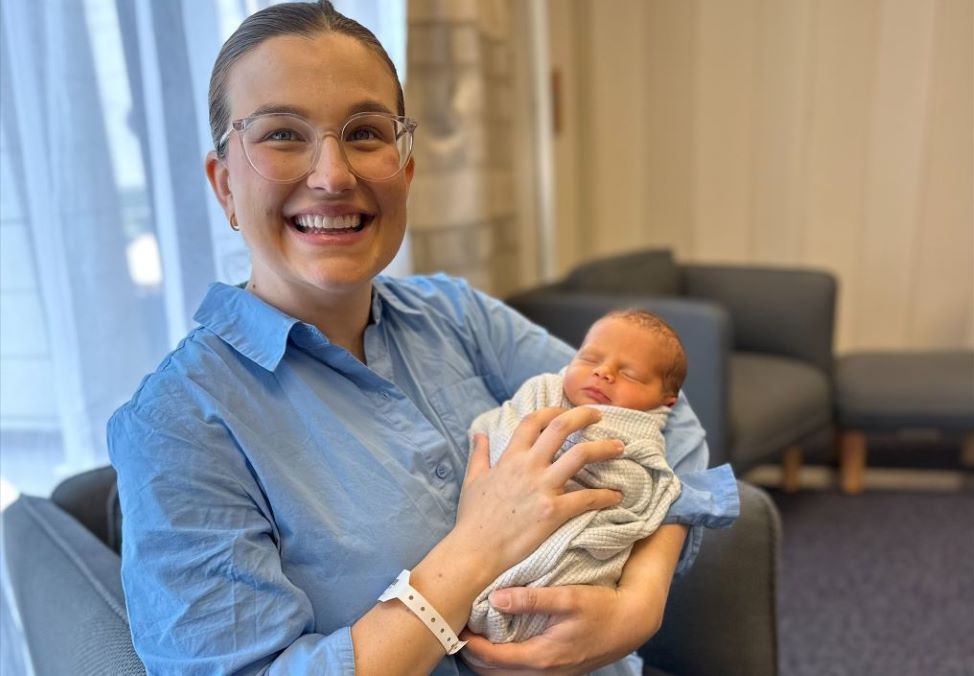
(670, 400)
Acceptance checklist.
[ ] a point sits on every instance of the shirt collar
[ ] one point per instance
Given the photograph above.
(259, 331)
(384, 298)
(255, 329)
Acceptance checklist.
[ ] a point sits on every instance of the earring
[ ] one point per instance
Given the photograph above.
(233, 223)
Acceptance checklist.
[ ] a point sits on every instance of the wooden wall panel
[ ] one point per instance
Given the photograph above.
(842, 72)
(668, 182)
(822, 133)
(723, 113)
(894, 166)
(941, 299)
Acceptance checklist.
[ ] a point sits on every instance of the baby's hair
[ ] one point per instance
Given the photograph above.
(675, 371)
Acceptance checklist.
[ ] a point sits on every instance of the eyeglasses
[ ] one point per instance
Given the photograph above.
(284, 147)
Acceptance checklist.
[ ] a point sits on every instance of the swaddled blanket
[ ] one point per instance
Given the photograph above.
(592, 547)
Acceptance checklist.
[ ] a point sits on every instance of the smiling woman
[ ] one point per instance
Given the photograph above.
(108, 236)
(253, 462)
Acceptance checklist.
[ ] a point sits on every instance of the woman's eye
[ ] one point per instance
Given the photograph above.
(289, 135)
(363, 134)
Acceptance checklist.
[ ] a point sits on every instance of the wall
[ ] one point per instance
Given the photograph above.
(826, 133)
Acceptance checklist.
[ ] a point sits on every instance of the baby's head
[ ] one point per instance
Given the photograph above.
(630, 358)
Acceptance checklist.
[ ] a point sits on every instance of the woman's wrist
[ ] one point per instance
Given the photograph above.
(463, 559)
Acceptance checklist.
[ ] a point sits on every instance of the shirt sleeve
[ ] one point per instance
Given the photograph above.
(708, 497)
(519, 349)
(201, 568)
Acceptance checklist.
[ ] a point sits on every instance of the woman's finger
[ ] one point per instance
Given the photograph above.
(505, 658)
(478, 461)
(586, 499)
(534, 600)
(584, 453)
(530, 428)
(553, 437)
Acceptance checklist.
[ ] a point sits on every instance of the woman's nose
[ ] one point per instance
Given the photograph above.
(331, 172)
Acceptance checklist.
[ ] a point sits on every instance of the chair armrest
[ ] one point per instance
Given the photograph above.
(782, 311)
(722, 616)
(91, 497)
(67, 586)
(704, 329)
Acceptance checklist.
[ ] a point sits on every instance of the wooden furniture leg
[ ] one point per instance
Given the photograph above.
(791, 466)
(852, 461)
(967, 450)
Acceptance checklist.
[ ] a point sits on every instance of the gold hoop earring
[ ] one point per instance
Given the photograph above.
(233, 223)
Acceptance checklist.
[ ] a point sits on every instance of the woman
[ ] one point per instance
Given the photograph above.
(308, 441)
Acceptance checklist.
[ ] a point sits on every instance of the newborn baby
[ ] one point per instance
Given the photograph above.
(631, 367)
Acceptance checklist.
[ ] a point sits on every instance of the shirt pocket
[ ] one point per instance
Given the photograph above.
(457, 405)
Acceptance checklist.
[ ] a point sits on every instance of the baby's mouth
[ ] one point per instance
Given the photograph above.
(316, 224)
(597, 394)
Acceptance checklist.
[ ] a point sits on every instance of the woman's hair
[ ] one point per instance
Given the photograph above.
(291, 18)
(675, 371)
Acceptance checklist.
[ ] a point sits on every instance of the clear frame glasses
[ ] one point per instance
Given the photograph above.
(284, 147)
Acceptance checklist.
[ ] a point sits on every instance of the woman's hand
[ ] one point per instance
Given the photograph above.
(590, 627)
(506, 511)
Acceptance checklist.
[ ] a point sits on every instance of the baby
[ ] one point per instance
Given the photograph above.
(631, 367)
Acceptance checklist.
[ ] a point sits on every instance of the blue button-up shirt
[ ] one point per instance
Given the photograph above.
(273, 485)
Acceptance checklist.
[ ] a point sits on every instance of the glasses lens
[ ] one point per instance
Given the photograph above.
(279, 147)
(376, 146)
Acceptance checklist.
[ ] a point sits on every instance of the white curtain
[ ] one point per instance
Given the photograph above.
(108, 233)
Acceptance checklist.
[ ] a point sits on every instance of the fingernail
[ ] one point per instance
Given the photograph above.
(619, 445)
(500, 599)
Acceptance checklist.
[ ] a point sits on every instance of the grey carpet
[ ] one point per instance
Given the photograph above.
(877, 584)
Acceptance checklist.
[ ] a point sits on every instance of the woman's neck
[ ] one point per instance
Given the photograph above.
(341, 317)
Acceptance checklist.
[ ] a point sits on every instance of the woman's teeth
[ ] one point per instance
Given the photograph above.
(317, 224)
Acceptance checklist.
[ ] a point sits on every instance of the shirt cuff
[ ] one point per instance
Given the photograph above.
(331, 655)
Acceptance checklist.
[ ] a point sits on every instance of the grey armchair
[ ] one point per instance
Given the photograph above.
(758, 341)
(64, 568)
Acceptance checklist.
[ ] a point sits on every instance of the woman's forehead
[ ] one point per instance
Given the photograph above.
(326, 74)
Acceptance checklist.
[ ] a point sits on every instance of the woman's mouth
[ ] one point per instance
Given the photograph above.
(317, 224)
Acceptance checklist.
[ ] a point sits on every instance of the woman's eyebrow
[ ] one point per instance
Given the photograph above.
(366, 106)
(268, 108)
(369, 106)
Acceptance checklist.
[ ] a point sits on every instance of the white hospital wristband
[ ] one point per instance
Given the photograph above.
(421, 608)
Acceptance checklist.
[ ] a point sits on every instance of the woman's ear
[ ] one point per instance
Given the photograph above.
(218, 175)
(409, 169)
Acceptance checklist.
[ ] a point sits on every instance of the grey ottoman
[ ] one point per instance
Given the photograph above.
(891, 391)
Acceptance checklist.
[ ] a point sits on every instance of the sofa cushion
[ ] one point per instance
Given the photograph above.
(774, 402)
(892, 390)
(652, 273)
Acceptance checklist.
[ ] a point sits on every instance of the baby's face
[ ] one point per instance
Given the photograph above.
(619, 364)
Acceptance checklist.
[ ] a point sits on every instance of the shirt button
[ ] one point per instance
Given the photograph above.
(442, 470)
(386, 396)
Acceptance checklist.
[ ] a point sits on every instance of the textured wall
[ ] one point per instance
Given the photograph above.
(464, 214)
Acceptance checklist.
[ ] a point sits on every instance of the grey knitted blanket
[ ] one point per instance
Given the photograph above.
(592, 547)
